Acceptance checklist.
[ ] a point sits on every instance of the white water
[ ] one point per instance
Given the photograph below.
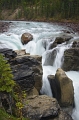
(43, 35)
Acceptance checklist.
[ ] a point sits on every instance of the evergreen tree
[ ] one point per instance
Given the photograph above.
(6, 82)
(44, 8)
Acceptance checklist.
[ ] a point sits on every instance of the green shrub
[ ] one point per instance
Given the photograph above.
(6, 82)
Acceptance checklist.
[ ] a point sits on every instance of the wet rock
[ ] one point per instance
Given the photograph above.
(59, 40)
(71, 58)
(67, 31)
(26, 37)
(55, 87)
(75, 44)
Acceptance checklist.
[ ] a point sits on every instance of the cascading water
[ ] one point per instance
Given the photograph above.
(43, 35)
(59, 57)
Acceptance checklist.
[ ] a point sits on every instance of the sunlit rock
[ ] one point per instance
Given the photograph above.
(44, 108)
(40, 107)
(62, 88)
(66, 86)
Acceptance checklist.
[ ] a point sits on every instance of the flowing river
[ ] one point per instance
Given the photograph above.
(44, 35)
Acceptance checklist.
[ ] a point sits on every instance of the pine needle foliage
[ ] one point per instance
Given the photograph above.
(6, 77)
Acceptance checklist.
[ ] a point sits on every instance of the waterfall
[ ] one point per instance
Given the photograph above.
(46, 86)
(43, 35)
(60, 52)
(59, 57)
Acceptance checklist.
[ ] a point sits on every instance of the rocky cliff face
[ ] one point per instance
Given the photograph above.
(27, 70)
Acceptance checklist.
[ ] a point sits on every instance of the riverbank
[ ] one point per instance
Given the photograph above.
(73, 26)
(4, 26)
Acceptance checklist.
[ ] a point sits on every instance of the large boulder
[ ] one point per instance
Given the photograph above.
(71, 59)
(66, 86)
(61, 39)
(26, 37)
(43, 108)
(62, 88)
